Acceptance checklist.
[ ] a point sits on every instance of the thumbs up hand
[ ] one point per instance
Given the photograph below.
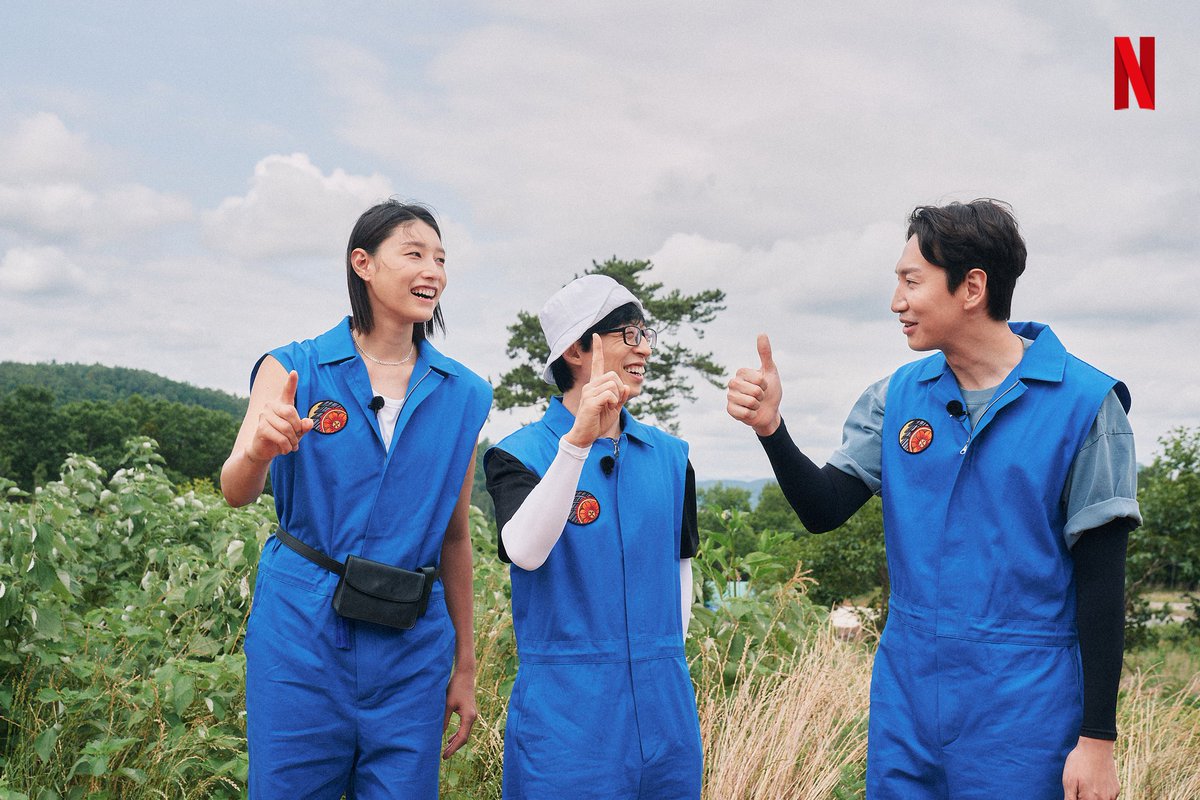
(600, 401)
(754, 394)
(279, 425)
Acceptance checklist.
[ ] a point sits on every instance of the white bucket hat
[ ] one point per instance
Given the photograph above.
(576, 307)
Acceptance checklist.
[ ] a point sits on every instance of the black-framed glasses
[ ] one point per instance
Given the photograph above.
(633, 335)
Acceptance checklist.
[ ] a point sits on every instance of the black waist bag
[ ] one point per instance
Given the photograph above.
(371, 591)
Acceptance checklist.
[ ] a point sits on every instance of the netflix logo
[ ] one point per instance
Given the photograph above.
(1130, 70)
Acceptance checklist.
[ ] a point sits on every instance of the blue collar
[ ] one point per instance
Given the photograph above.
(336, 345)
(1044, 360)
(559, 420)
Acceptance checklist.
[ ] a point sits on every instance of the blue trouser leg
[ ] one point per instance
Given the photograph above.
(956, 719)
(335, 707)
(300, 736)
(402, 706)
(1014, 712)
(573, 734)
(670, 732)
(608, 731)
(903, 756)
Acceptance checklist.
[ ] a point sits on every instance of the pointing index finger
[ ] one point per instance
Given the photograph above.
(597, 357)
(287, 395)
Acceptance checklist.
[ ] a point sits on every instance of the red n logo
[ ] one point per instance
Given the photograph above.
(1127, 71)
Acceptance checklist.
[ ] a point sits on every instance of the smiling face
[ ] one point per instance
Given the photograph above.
(930, 314)
(406, 274)
(628, 362)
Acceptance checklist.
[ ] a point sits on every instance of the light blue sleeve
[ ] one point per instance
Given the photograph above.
(861, 453)
(1102, 484)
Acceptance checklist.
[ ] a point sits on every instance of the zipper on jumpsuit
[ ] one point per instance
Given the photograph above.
(628, 651)
(992, 402)
(410, 393)
(342, 633)
(387, 447)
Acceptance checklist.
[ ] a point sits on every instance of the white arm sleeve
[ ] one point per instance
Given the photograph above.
(686, 592)
(534, 529)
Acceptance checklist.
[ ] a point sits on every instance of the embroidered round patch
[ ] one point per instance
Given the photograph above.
(328, 416)
(585, 510)
(915, 436)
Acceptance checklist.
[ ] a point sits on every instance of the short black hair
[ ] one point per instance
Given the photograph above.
(372, 229)
(628, 314)
(982, 234)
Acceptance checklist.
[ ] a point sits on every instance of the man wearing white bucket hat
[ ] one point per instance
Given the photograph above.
(597, 515)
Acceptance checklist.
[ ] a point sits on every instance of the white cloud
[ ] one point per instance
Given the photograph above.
(53, 184)
(73, 210)
(844, 273)
(40, 270)
(292, 209)
(772, 152)
(42, 148)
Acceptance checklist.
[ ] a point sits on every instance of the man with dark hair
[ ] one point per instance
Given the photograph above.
(596, 512)
(1008, 480)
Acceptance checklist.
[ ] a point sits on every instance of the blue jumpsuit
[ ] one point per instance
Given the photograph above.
(603, 705)
(977, 687)
(335, 705)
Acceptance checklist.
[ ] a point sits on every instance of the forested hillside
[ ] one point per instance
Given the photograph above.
(50, 410)
(71, 382)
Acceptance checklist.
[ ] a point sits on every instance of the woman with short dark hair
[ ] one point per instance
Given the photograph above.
(360, 641)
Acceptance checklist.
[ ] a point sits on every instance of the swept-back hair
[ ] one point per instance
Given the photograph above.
(981, 234)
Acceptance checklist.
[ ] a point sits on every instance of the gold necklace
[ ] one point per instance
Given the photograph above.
(381, 362)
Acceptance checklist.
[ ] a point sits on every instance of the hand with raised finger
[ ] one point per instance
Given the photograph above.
(280, 427)
(600, 401)
(755, 394)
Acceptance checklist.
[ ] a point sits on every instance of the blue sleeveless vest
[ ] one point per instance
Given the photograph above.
(610, 587)
(973, 519)
(342, 491)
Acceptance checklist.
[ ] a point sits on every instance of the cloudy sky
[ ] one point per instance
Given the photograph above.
(177, 182)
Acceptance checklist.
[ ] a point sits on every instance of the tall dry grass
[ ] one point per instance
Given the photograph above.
(799, 733)
(783, 706)
(794, 732)
(1158, 752)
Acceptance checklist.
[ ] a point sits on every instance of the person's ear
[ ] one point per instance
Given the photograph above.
(574, 355)
(360, 261)
(974, 288)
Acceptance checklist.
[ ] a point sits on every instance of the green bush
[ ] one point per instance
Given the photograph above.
(122, 607)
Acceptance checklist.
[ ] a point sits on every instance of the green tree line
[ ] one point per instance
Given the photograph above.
(37, 432)
(71, 382)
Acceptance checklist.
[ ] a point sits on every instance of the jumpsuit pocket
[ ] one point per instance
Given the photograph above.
(516, 704)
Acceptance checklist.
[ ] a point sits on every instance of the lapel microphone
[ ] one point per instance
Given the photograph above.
(607, 463)
(955, 408)
(376, 403)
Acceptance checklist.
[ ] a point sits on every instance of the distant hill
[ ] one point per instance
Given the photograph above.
(754, 487)
(72, 382)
